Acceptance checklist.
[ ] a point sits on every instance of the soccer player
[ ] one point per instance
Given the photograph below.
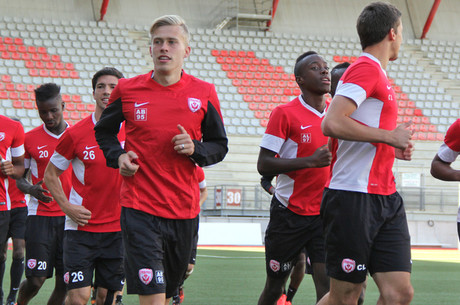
(179, 297)
(173, 122)
(448, 152)
(16, 231)
(45, 220)
(365, 223)
(294, 134)
(92, 239)
(11, 143)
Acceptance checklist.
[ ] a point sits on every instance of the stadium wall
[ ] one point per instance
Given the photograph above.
(327, 17)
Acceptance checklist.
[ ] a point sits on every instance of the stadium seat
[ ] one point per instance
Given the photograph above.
(17, 104)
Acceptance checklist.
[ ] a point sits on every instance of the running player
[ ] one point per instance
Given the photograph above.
(173, 122)
(448, 152)
(12, 143)
(294, 134)
(45, 220)
(92, 239)
(365, 223)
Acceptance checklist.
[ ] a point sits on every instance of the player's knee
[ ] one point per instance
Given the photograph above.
(35, 283)
(400, 295)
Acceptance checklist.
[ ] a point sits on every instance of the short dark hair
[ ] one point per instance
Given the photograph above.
(336, 74)
(375, 21)
(298, 61)
(105, 71)
(47, 91)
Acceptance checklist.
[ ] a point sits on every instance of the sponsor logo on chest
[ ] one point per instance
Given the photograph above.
(2, 136)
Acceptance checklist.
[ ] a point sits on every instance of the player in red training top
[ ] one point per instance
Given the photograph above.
(173, 122)
(448, 153)
(364, 219)
(16, 230)
(11, 165)
(178, 298)
(92, 238)
(294, 134)
(45, 220)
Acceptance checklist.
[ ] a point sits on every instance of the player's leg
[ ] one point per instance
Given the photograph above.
(341, 293)
(284, 239)
(4, 228)
(17, 232)
(297, 275)
(143, 242)
(395, 288)
(57, 261)
(109, 273)
(390, 263)
(40, 244)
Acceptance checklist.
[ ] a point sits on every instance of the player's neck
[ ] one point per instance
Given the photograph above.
(380, 51)
(314, 100)
(167, 79)
(59, 129)
(97, 113)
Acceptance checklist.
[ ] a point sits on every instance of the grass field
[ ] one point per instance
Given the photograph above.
(235, 276)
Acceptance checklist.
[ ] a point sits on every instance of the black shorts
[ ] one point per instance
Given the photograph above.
(157, 251)
(88, 252)
(44, 237)
(286, 235)
(364, 232)
(4, 224)
(17, 227)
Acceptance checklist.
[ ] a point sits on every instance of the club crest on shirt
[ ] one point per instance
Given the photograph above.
(348, 265)
(305, 138)
(194, 104)
(66, 277)
(2, 136)
(146, 275)
(31, 263)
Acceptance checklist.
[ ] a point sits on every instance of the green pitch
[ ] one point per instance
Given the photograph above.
(237, 277)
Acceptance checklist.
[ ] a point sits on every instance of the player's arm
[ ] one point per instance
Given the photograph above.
(77, 213)
(339, 124)
(35, 190)
(13, 168)
(443, 170)
(266, 183)
(268, 164)
(214, 146)
(203, 195)
(106, 131)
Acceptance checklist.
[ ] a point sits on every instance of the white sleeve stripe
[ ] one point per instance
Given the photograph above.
(202, 184)
(17, 151)
(59, 161)
(272, 142)
(446, 154)
(353, 92)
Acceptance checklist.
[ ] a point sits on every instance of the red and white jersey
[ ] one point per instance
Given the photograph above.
(201, 177)
(362, 166)
(16, 197)
(294, 131)
(94, 185)
(11, 142)
(39, 146)
(450, 149)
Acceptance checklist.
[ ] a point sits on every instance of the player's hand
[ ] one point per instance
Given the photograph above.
(78, 213)
(127, 163)
(321, 157)
(405, 154)
(7, 167)
(183, 144)
(402, 136)
(40, 193)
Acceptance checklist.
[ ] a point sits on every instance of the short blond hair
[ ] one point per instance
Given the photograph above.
(170, 20)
